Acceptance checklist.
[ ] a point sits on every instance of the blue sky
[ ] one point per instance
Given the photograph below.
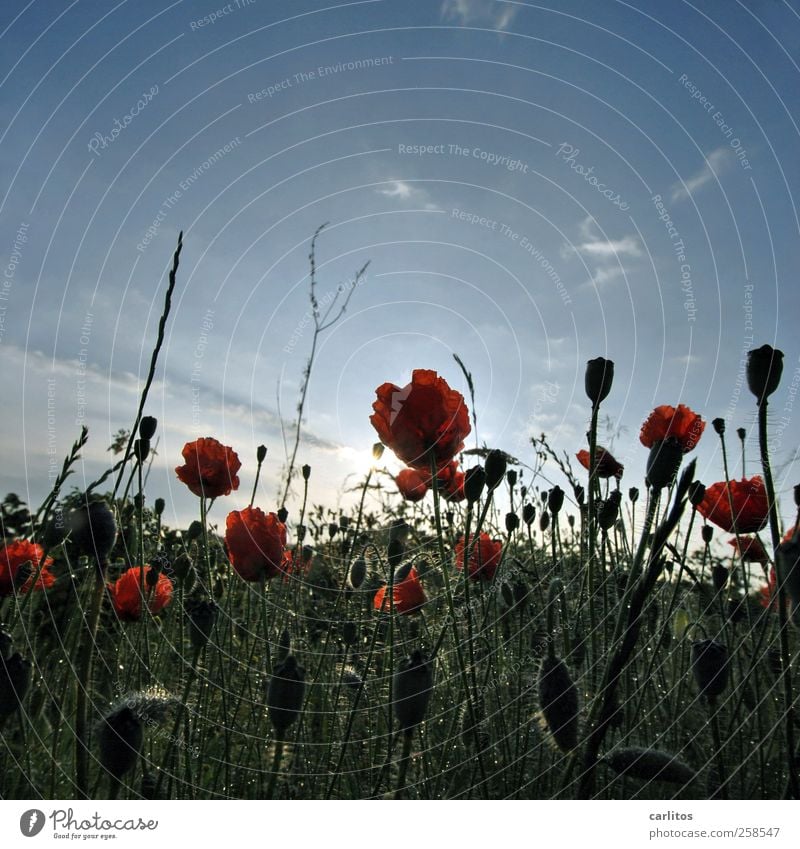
(533, 185)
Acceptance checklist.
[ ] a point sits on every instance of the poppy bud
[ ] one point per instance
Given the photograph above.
(306, 472)
(377, 451)
(474, 481)
(718, 425)
(147, 427)
(710, 666)
(707, 533)
(285, 694)
(544, 522)
(358, 571)
(120, 739)
(344, 522)
(558, 698)
(141, 449)
(571, 520)
(609, 510)
(412, 689)
(511, 477)
(512, 522)
(194, 531)
(528, 514)
(394, 553)
(15, 680)
(663, 462)
(555, 500)
(333, 529)
(158, 506)
(719, 577)
(633, 495)
(202, 615)
(598, 380)
(580, 492)
(261, 454)
(523, 491)
(495, 467)
(283, 515)
(697, 492)
(764, 370)
(741, 433)
(181, 565)
(94, 530)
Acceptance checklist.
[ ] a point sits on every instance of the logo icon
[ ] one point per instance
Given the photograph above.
(31, 822)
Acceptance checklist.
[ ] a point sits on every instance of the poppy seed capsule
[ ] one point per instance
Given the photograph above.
(412, 689)
(261, 453)
(718, 425)
(512, 522)
(285, 694)
(159, 505)
(663, 462)
(358, 571)
(15, 681)
(528, 514)
(719, 577)
(649, 765)
(120, 739)
(555, 500)
(633, 495)
(495, 467)
(511, 477)
(558, 699)
(764, 370)
(147, 427)
(283, 515)
(544, 522)
(202, 615)
(710, 666)
(707, 533)
(609, 510)
(598, 379)
(306, 472)
(741, 433)
(474, 481)
(94, 530)
(697, 492)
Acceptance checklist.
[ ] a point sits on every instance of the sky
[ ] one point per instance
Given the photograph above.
(533, 185)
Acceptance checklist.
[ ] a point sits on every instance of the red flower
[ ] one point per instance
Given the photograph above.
(13, 557)
(750, 505)
(485, 557)
(787, 537)
(751, 549)
(126, 593)
(255, 543)
(408, 595)
(413, 484)
(451, 482)
(423, 418)
(681, 422)
(209, 468)
(605, 462)
(287, 563)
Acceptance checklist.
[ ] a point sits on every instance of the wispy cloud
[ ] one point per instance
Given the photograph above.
(497, 14)
(399, 189)
(716, 162)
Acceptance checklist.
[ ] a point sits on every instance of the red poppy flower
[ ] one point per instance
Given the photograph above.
(681, 422)
(256, 543)
(485, 557)
(209, 467)
(413, 484)
(423, 418)
(451, 482)
(750, 505)
(751, 549)
(13, 557)
(787, 537)
(126, 593)
(605, 462)
(408, 595)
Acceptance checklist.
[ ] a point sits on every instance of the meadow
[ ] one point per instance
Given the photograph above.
(466, 630)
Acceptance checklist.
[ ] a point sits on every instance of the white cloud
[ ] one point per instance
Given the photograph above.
(626, 246)
(716, 162)
(398, 189)
(499, 15)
